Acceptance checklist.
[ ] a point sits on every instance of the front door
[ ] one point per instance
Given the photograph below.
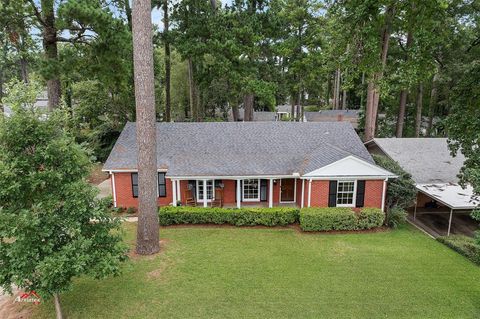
(287, 190)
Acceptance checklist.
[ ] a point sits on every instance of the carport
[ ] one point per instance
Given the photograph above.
(449, 198)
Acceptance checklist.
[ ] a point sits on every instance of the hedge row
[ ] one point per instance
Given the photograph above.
(277, 216)
(311, 219)
(464, 245)
(340, 218)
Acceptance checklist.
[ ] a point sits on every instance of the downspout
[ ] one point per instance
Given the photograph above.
(114, 193)
(384, 193)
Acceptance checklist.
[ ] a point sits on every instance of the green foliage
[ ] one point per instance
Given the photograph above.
(339, 218)
(328, 218)
(370, 218)
(401, 191)
(464, 245)
(52, 226)
(278, 216)
(396, 216)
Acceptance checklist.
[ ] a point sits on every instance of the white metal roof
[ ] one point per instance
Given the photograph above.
(451, 195)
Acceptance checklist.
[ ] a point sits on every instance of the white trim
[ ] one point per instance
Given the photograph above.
(342, 178)
(174, 193)
(294, 191)
(235, 177)
(354, 198)
(239, 199)
(384, 192)
(130, 170)
(303, 193)
(309, 192)
(179, 191)
(114, 193)
(270, 193)
(243, 191)
(205, 192)
(379, 171)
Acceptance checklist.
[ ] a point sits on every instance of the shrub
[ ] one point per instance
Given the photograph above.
(464, 245)
(396, 216)
(370, 218)
(131, 210)
(340, 218)
(278, 216)
(329, 218)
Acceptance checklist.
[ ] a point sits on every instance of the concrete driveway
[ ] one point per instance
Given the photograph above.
(436, 223)
(105, 188)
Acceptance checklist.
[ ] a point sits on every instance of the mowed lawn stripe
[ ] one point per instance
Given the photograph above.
(206, 272)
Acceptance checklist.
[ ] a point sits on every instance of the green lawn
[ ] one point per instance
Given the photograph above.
(281, 273)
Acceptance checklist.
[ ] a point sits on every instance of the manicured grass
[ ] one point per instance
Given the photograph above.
(208, 272)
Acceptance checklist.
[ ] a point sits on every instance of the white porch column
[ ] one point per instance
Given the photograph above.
(270, 193)
(450, 222)
(384, 192)
(174, 192)
(179, 191)
(205, 193)
(114, 193)
(309, 192)
(239, 198)
(303, 193)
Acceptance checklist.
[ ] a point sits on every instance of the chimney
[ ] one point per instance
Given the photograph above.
(340, 118)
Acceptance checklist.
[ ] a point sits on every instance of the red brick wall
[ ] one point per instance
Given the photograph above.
(124, 193)
(319, 196)
(373, 193)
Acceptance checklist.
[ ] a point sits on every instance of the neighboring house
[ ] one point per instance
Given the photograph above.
(41, 104)
(434, 171)
(351, 116)
(257, 116)
(285, 111)
(263, 164)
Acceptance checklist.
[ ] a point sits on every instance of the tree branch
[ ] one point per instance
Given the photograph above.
(37, 13)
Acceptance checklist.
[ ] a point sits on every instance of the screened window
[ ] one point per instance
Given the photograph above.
(345, 193)
(162, 185)
(251, 190)
(200, 191)
(135, 184)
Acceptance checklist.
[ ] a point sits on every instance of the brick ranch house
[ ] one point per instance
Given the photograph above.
(252, 163)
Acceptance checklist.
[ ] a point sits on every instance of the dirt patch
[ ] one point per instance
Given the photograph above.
(96, 175)
(9, 309)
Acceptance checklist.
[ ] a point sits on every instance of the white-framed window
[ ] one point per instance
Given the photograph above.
(251, 190)
(346, 191)
(210, 190)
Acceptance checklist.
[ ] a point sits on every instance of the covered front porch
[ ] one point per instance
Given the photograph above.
(251, 191)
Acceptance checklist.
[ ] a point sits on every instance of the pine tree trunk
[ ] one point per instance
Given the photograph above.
(235, 114)
(128, 13)
(418, 118)
(336, 97)
(49, 33)
(401, 113)
(167, 62)
(293, 99)
(248, 101)
(191, 91)
(147, 229)
(58, 308)
(373, 91)
(403, 95)
(24, 69)
(433, 101)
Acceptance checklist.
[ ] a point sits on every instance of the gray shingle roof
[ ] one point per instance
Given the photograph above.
(427, 159)
(242, 148)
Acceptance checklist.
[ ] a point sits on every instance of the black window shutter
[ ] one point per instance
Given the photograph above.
(360, 194)
(134, 184)
(332, 194)
(217, 183)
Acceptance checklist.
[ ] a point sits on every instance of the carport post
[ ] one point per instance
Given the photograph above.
(450, 221)
(415, 210)
(174, 193)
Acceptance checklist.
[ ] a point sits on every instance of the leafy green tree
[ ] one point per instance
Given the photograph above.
(52, 226)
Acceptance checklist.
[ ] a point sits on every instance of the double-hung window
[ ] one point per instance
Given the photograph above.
(162, 185)
(251, 190)
(200, 191)
(346, 193)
